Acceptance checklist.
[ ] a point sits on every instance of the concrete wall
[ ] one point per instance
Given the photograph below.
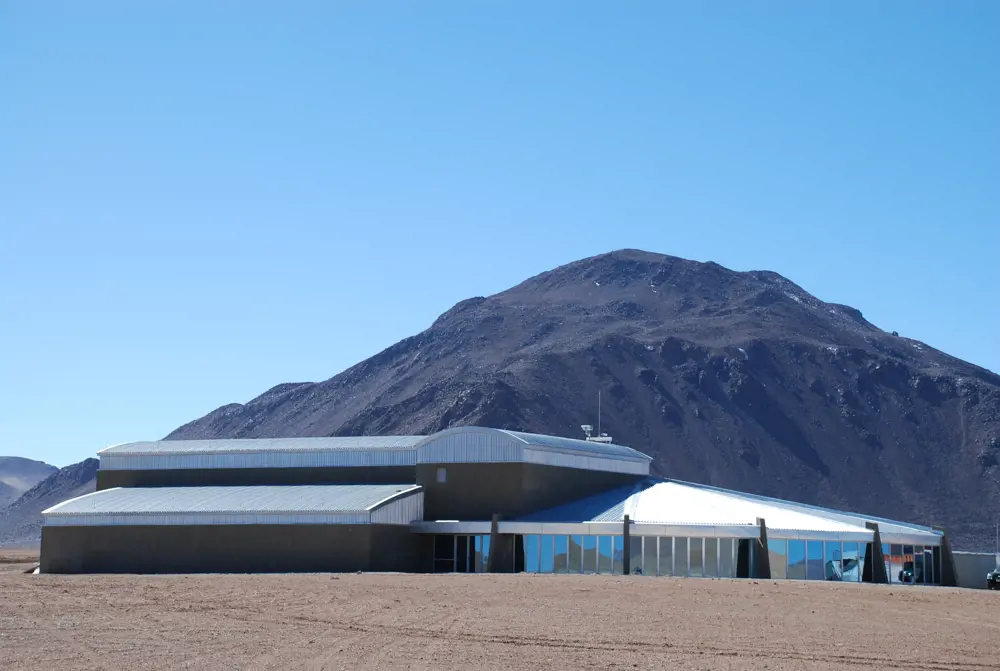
(204, 477)
(230, 549)
(473, 492)
(971, 568)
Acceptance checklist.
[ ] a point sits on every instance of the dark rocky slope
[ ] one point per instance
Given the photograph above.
(738, 379)
(21, 522)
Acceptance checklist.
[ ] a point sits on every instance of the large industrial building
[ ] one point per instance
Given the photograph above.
(463, 500)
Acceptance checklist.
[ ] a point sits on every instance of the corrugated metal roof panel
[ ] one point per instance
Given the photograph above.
(265, 445)
(575, 445)
(299, 504)
(483, 445)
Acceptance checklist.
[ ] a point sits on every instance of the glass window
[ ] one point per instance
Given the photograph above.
(635, 555)
(666, 563)
(604, 554)
(896, 563)
(936, 552)
(814, 560)
(680, 556)
(797, 560)
(486, 553)
(531, 554)
(833, 561)
(918, 564)
(695, 555)
(887, 560)
(907, 572)
(850, 563)
(649, 556)
(576, 554)
(727, 567)
(711, 557)
(777, 551)
(619, 554)
(590, 554)
(561, 554)
(462, 554)
(545, 558)
(928, 565)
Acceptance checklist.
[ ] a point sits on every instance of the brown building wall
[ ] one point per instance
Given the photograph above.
(473, 492)
(205, 477)
(235, 548)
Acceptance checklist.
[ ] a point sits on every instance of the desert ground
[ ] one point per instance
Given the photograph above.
(488, 622)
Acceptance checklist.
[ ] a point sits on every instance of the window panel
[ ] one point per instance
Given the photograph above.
(727, 567)
(814, 560)
(666, 551)
(590, 554)
(777, 552)
(649, 556)
(796, 560)
(635, 555)
(545, 558)
(531, 554)
(618, 553)
(851, 563)
(561, 556)
(711, 557)
(576, 554)
(605, 558)
(680, 556)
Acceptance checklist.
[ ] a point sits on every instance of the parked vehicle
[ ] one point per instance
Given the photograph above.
(993, 579)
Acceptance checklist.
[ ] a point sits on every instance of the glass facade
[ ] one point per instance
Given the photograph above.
(687, 557)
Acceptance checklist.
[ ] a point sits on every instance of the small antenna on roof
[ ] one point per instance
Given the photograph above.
(588, 430)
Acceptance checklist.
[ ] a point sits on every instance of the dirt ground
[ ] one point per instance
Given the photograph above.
(484, 622)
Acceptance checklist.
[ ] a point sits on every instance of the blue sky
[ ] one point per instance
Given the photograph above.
(199, 200)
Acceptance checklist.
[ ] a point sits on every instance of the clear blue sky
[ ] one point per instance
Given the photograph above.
(199, 200)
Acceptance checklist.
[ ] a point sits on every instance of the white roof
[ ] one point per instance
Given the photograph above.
(293, 504)
(679, 505)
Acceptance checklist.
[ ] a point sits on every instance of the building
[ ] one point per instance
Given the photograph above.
(462, 500)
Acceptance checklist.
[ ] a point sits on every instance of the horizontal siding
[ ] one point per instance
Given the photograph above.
(403, 510)
(471, 447)
(277, 459)
(318, 444)
(588, 462)
(192, 519)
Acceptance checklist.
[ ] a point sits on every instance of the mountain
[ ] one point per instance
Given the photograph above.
(18, 475)
(737, 379)
(21, 522)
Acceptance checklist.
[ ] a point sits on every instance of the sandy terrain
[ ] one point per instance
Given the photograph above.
(470, 622)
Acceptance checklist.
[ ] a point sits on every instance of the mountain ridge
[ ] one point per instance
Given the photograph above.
(737, 379)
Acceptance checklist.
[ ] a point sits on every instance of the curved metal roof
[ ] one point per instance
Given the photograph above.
(260, 504)
(242, 445)
(678, 504)
(474, 444)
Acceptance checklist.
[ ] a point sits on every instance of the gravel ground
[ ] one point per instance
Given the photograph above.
(488, 622)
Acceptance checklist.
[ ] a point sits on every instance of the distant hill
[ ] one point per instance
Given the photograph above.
(18, 475)
(21, 522)
(738, 379)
